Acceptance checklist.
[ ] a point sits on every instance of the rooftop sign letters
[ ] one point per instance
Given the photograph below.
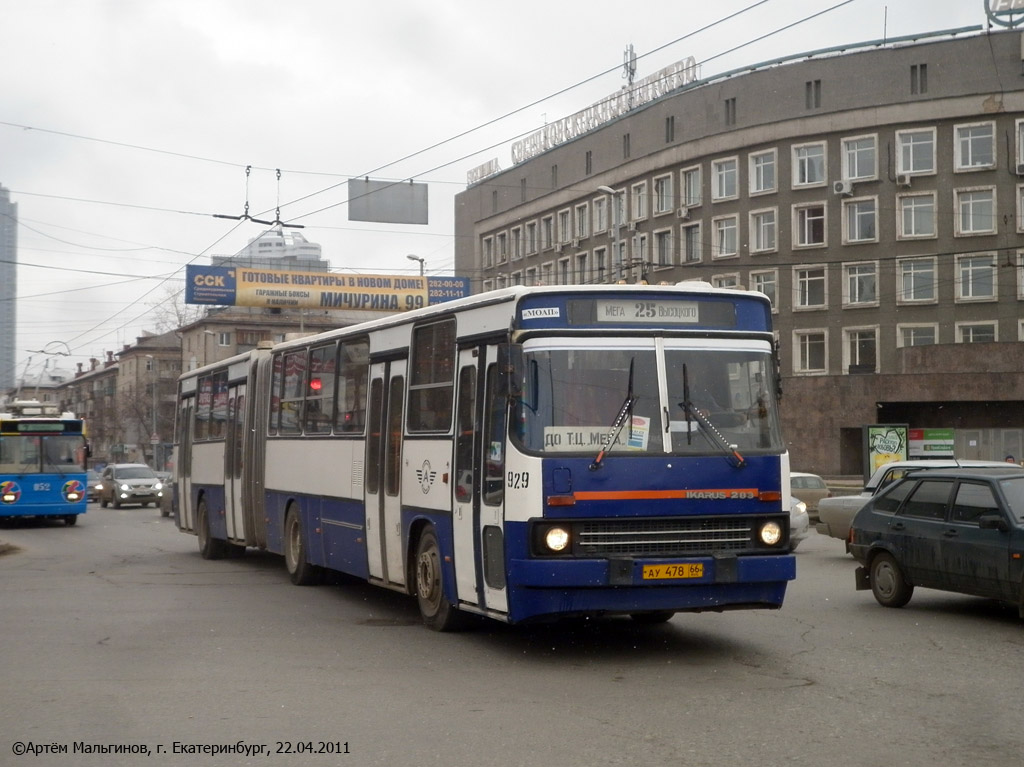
(643, 91)
(1003, 12)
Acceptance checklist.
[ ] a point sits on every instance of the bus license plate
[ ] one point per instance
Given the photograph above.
(677, 570)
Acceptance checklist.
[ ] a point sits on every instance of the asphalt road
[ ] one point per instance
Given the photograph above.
(117, 634)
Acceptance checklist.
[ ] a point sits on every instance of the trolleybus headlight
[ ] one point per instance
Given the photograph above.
(556, 538)
(771, 533)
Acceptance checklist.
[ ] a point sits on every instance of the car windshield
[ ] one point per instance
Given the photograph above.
(1013, 490)
(135, 472)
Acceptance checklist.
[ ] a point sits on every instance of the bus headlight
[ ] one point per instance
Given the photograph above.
(556, 538)
(771, 533)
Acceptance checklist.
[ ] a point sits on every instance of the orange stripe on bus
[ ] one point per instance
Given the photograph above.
(628, 495)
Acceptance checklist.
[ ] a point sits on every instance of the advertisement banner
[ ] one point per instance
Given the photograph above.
(244, 286)
(930, 443)
(884, 443)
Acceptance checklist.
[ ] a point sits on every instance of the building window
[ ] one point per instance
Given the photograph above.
(725, 231)
(582, 230)
(690, 250)
(488, 286)
(664, 198)
(917, 280)
(812, 94)
(501, 281)
(915, 215)
(531, 238)
(860, 284)
(859, 223)
(808, 165)
(494, 201)
(625, 146)
(488, 252)
(600, 205)
(731, 280)
(725, 179)
(547, 273)
(600, 265)
(670, 129)
(860, 158)
(531, 276)
(918, 79)
(976, 277)
(975, 211)
(663, 248)
(582, 274)
(517, 243)
(564, 225)
(810, 291)
(619, 208)
(763, 228)
(809, 225)
(563, 276)
(554, 177)
(547, 232)
(522, 190)
(766, 282)
(915, 151)
(639, 199)
(691, 183)
(516, 279)
(916, 335)
(860, 351)
(762, 172)
(502, 247)
(811, 351)
(730, 111)
(974, 146)
(588, 163)
(976, 333)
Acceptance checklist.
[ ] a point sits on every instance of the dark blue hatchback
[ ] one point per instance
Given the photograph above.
(956, 530)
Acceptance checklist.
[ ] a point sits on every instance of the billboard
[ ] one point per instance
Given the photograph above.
(282, 289)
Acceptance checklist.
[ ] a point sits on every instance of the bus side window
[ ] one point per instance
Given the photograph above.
(494, 441)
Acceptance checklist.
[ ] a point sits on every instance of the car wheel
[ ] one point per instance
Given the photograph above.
(70, 519)
(300, 571)
(115, 502)
(888, 583)
(438, 613)
(103, 502)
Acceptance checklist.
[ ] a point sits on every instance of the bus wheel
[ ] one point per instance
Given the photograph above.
(70, 519)
(209, 547)
(301, 572)
(438, 613)
(650, 619)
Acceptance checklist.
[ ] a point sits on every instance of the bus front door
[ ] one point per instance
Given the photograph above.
(478, 502)
(183, 469)
(383, 479)
(233, 463)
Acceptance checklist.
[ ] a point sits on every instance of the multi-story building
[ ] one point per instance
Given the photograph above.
(8, 287)
(876, 194)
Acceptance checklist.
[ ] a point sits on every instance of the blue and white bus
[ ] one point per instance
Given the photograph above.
(523, 454)
(43, 454)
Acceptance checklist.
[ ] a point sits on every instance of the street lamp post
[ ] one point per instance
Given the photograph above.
(422, 261)
(153, 438)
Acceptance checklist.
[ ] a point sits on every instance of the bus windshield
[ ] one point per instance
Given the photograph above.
(35, 454)
(571, 398)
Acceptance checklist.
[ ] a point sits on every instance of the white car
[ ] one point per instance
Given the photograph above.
(799, 523)
(836, 513)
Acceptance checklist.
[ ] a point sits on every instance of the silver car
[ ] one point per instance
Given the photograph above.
(130, 483)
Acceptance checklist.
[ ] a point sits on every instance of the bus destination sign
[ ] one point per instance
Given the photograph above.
(647, 311)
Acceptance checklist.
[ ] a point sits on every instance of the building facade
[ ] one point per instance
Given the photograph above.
(8, 287)
(875, 194)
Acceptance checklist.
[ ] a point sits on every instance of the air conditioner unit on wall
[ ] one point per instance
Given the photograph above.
(903, 179)
(558, 247)
(843, 187)
(683, 213)
(632, 226)
(1020, 169)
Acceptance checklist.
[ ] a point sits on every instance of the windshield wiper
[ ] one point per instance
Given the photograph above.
(626, 411)
(709, 428)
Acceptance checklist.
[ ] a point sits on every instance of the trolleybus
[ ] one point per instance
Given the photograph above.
(43, 456)
(525, 454)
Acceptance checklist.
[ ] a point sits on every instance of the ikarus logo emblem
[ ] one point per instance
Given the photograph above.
(426, 477)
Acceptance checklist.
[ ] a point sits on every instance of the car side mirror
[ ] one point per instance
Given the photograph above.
(993, 521)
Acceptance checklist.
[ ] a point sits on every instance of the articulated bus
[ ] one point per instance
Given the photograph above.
(43, 453)
(524, 454)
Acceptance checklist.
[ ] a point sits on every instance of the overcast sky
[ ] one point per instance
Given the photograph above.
(125, 124)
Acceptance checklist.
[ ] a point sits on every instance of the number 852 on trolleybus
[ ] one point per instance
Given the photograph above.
(525, 454)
